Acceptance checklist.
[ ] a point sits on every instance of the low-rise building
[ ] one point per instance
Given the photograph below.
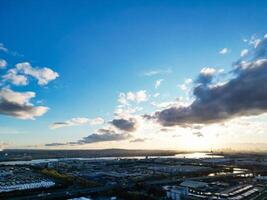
(176, 192)
(193, 184)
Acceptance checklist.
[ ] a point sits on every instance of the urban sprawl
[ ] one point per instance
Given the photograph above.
(197, 176)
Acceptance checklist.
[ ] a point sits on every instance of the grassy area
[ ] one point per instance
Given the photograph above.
(68, 179)
(56, 175)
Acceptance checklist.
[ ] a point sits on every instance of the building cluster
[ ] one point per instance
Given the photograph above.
(180, 168)
(123, 171)
(246, 180)
(233, 177)
(203, 190)
(13, 178)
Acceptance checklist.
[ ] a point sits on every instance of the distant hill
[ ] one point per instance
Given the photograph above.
(27, 154)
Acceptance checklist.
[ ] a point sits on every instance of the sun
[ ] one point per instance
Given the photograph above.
(203, 143)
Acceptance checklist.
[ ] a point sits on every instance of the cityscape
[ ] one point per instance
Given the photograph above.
(133, 100)
(155, 175)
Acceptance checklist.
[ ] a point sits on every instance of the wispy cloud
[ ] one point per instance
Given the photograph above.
(158, 83)
(224, 51)
(55, 144)
(138, 140)
(4, 145)
(3, 63)
(77, 122)
(3, 48)
(157, 72)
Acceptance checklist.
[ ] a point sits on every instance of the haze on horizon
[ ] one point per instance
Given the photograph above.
(182, 75)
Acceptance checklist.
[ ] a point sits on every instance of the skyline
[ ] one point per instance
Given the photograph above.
(140, 75)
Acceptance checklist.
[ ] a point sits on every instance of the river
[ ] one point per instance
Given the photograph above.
(184, 155)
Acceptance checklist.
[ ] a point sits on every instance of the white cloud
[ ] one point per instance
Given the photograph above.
(221, 70)
(164, 104)
(3, 48)
(139, 140)
(140, 96)
(244, 53)
(77, 121)
(131, 96)
(122, 99)
(224, 51)
(183, 87)
(15, 78)
(156, 95)
(157, 72)
(3, 63)
(16, 97)
(208, 71)
(17, 104)
(254, 41)
(188, 81)
(158, 83)
(186, 85)
(126, 112)
(43, 75)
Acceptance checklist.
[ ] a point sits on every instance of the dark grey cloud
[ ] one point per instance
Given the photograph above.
(243, 95)
(94, 138)
(105, 130)
(23, 111)
(11, 108)
(55, 144)
(138, 140)
(17, 104)
(198, 134)
(60, 123)
(148, 117)
(205, 76)
(128, 125)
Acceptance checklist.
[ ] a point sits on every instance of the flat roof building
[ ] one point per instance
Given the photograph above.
(193, 184)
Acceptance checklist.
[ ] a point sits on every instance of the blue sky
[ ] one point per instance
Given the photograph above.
(103, 48)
